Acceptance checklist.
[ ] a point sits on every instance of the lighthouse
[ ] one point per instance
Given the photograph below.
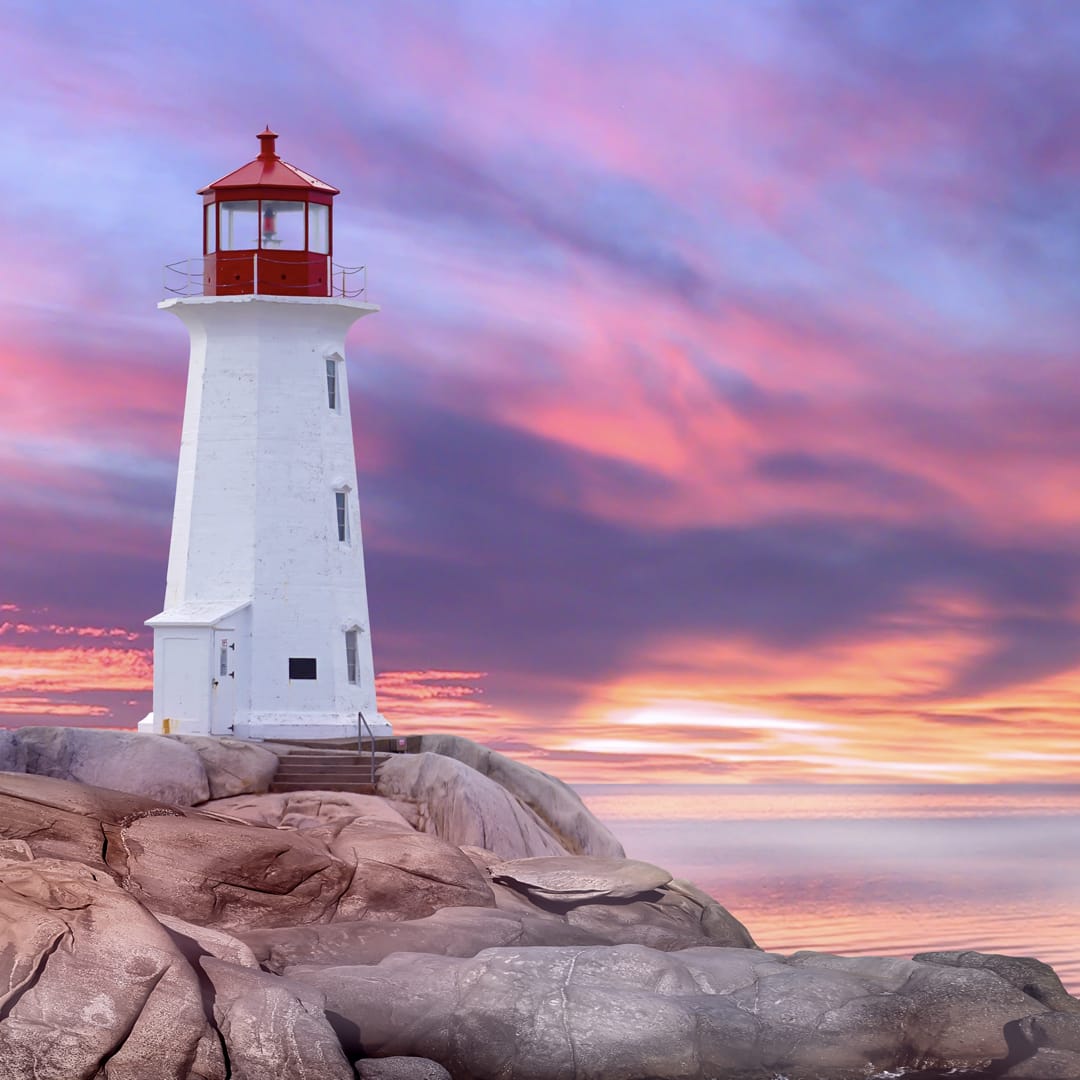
(265, 630)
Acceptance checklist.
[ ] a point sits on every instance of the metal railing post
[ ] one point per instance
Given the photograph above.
(362, 723)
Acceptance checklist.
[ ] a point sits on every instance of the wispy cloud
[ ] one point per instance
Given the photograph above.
(721, 410)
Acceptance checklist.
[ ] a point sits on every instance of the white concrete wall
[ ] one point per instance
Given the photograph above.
(261, 456)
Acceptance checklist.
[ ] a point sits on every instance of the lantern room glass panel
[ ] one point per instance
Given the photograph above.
(239, 226)
(319, 228)
(282, 225)
(210, 211)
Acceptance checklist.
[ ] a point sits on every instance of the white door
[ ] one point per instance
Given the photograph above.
(223, 685)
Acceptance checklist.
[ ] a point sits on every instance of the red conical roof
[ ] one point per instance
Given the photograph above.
(268, 170)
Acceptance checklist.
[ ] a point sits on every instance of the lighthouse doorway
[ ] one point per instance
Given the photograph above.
(223, 693)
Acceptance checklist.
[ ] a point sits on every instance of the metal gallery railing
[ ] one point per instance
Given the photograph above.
(189, 277)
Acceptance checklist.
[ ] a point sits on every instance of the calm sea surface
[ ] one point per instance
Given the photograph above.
(885, 871)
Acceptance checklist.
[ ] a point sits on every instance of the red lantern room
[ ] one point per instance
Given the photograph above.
(268, 228)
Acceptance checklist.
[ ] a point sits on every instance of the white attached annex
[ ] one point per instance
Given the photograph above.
(265, 630)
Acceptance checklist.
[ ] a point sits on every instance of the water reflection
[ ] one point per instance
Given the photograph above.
(886, 871)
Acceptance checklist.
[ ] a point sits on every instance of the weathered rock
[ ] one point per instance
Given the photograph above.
(149, 765)
(571, 879)
(16, 851)
(12, 753)
(462, 806)
(217, 873)
(555, 803)
(400, 1068)
(628, 1012)
(680, 916)
(310, 809)
(272, 1029)
(1045, 1065)
(401, 875)
(65, 820)
(88, 977)
(233, 766)
(1056, 1030)
(196, 942)
(1035, 978)
(451, 931)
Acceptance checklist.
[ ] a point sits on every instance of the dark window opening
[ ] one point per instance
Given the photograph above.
(342, 507)
(301, 667)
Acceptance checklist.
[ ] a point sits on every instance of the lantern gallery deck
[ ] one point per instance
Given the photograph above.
(268, 229)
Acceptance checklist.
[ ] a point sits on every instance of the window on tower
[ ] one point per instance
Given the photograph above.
(239, 226)
(211, 228)
(283, 225)
(331, 383)
(319, 228)
(352, 642)
(341, 500)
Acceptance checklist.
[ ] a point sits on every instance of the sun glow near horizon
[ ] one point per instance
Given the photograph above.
(816, 723)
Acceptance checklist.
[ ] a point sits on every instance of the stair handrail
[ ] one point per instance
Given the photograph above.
(362, 723)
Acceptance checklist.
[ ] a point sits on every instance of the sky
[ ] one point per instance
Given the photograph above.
(722, 418)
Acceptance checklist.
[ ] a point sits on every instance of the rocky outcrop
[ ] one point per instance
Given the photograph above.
(64, 820)
(400, 1068)
(232, 766)
(400, 876)
(273, 1029)
(462, 806)
(553, 802)
(310, 809)
(224, 873)
(618, 901)
(87, 976)
(450, 931)
(149, 765)
(184, 770)
(629, 1011)
(196, 941)
(573, 879)
(12, 753)
(1035, 978)
(677, 916)
(217, 873)
(280, 936)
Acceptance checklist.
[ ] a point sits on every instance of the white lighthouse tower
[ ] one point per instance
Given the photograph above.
(265, 632)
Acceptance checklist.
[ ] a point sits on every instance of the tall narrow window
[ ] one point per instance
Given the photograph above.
(318, 228)
(223, 658)
(341, 499)
(351, 653)
(211, 228)
(331, 384)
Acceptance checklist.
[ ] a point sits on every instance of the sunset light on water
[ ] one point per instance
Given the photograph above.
(864, 870)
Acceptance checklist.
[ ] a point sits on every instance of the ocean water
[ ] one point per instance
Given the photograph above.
(860, 870)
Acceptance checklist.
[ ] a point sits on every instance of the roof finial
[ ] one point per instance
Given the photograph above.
(267, 139)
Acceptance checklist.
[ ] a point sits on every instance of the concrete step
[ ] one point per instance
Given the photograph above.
(334, 763)
(386, 743)
(305, 752)
(329, 777)
(281, 787)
